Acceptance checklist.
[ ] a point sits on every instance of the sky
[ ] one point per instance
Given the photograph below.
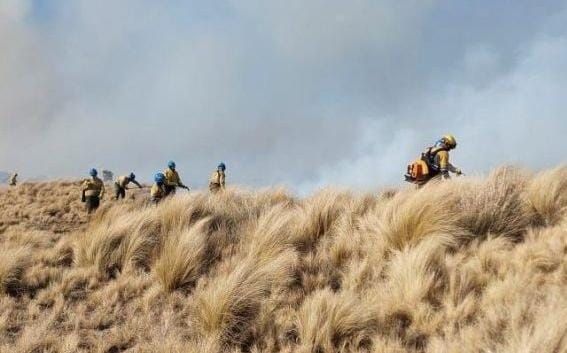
(300, 93)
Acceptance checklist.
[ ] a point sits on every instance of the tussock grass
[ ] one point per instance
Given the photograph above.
(547, 194)
(330, 321)
(13, 262)
(415, 274)
(183, 257)
(411, 216)
(128, 242)
(496, 205)
(227, 308)
(468, 265)
(319, 214)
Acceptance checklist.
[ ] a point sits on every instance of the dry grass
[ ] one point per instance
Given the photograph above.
(470, 265)
(547, 194)
(328, 321)
(13, 262)
(183, 257)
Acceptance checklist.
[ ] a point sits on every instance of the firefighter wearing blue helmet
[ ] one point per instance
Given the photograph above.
(121, 184)
(172, 179)
(217, 179)
(92, 191)
(158, 191)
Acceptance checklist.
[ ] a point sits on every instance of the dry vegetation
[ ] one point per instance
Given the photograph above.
(471, 265)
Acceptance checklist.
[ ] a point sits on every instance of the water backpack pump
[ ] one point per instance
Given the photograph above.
(417, 172)
(423, 169)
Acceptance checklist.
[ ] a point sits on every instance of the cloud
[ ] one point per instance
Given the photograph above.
(14, 9)
(299, 93)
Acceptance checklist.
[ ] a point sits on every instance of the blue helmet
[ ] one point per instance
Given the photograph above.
(132, 176)
(171, 164)
(159, 178)
(93, 172)
(222, 166)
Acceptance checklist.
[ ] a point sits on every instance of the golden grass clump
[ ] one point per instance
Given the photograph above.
(126, 242)
(474, 264)
(411, 216)
(328, 321)
(319, 214)
(226, 309)
(227, 306)
(547, 194)
(495, 205)
(183, 257)
(13, 263)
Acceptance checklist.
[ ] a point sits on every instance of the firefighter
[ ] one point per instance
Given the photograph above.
(158, 191)
(438, 157)
(93, 191)
(172, 179)
(217, 179)
(121, 184)
(434, 162)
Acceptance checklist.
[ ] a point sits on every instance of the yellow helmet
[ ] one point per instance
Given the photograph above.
(450, 141)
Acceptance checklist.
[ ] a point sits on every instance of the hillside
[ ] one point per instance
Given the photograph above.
(470, 265)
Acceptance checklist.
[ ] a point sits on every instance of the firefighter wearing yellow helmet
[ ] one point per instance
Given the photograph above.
(439, 156)
(434, 162)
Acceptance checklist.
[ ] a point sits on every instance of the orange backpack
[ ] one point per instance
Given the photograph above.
(418, 170)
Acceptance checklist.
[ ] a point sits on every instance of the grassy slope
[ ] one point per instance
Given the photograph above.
(471, 265)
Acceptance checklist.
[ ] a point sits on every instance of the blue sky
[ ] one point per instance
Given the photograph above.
(300, 93)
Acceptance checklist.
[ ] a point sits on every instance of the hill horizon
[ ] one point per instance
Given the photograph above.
(468, 265)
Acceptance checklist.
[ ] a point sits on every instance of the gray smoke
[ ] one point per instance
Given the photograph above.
(301, 93)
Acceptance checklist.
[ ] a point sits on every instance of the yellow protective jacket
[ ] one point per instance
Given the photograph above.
(157, 192)
(217, 179)
(93, 187)
(440, 161)
(124, 180)
(172, 178)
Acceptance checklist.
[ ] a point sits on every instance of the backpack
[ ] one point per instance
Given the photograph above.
(417, 171)
(424, 168)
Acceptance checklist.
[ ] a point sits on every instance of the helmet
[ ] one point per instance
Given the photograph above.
(93, 172)
(159, 178)
(132, 176)
(171, 164)
(222, 166)
(450, 141)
